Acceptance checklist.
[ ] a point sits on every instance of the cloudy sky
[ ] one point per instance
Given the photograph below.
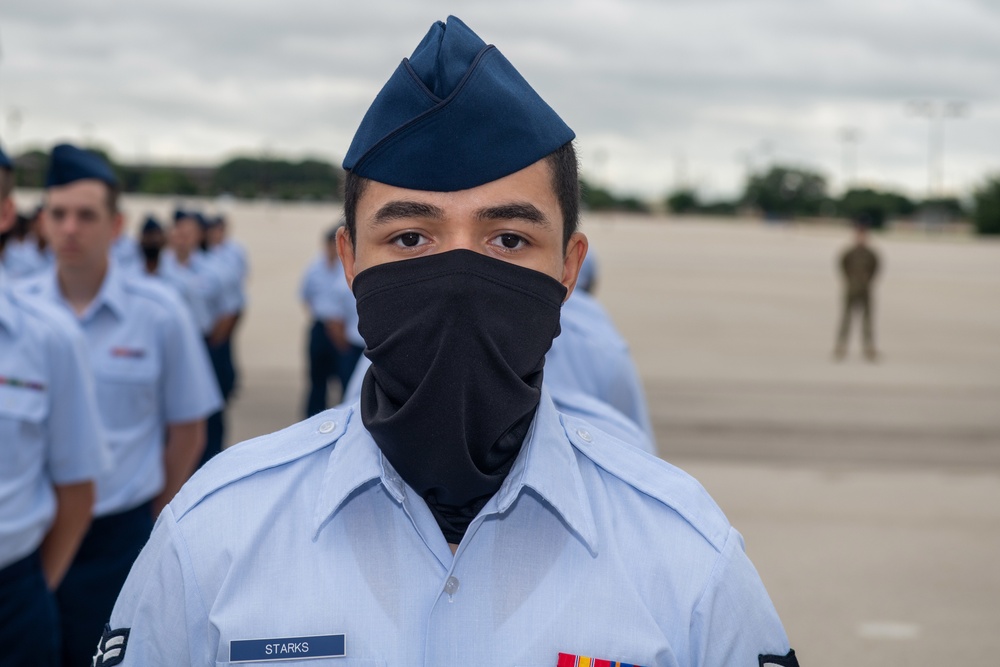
(660, 92)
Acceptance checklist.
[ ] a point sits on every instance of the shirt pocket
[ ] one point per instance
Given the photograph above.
(23, 411)
(127, 392)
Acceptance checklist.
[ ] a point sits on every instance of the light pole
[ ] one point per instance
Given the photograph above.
(936, 112)
(849, 136)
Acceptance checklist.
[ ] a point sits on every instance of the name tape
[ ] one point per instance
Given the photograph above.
(288, 648)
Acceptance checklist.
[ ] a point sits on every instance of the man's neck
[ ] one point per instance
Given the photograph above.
(182, 256)
(79, 287)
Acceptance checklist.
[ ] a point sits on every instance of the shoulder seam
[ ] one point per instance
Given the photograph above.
(244, 460)
(713, 529)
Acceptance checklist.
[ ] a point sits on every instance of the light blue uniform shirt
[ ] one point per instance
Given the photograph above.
(199, 284)
(126, 253)
(319, 289)
(151, 370)
(23, 259)
(347, 304)
(50, 432)
(230, 261)
(591, 357)
(589, 547)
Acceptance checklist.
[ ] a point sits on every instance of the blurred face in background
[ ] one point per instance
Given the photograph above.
(185, 237)
(215, 235)
(152, 240)
(79, 225)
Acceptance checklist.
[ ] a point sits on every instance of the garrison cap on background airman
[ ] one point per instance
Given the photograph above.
(68, 164)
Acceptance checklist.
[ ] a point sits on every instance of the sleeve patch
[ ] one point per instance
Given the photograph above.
(111, 648)
(788, 660)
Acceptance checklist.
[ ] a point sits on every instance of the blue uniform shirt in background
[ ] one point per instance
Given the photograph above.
(347, 304)
(230, 260)
(589, 548)
(151, 370)
(50, 432)
(126, 253)
(22, 259)
(319, 289)
(200, 284)
(592, 357)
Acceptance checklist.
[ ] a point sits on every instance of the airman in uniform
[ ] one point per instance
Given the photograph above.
(327, 348)
(453, 516)
(51, 451)
(154, 384)
(859, 266)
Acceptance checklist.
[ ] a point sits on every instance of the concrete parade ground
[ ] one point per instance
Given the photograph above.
(868, 494)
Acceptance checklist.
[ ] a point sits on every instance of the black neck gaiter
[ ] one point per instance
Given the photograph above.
(457, 342)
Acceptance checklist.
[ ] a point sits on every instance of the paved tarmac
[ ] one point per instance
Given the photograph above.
(868, 494)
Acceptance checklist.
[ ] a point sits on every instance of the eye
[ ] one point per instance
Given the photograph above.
(409, 240)
(509, 241)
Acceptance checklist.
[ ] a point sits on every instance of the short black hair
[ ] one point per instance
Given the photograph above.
(565, 182)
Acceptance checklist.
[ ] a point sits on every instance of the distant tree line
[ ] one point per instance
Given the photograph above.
(244, 177)
(788, 192)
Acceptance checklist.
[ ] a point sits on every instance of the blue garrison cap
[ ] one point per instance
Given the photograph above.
(5, 162)
(182, 213)
(455, 115)
(151, 225)
(68, 164)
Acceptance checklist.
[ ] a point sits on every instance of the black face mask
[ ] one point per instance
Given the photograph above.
(457, 343)
(151, 252)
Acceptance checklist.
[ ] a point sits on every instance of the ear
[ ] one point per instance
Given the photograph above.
(8, 213)
(345, 250)
(117, 224)
(576, 250)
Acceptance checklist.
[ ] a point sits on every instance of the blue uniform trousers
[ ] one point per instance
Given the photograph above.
(221, 357)
(29, 622)
(324, 363)
(88, 593)
(347, 363)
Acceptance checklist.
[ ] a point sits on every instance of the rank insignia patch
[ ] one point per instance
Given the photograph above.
(788, 660)
(127, 352)
(111, 648)
(21, 384)
(569, 660)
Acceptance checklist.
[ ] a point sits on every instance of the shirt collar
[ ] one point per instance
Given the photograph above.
(112, 294)
(547, 465)
(354, 462)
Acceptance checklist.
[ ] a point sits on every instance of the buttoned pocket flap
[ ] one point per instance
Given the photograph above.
(23, 401)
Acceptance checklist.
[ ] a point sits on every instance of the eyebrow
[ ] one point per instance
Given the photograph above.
(514, 211)
(396, 210)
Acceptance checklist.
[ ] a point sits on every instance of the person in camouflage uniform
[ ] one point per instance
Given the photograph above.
(859, 266)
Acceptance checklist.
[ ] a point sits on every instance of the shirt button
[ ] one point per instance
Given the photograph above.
(451, 586)
(584, 435)
(326, 427)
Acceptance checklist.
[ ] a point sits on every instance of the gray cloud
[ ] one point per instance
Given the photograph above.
(647, 84)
